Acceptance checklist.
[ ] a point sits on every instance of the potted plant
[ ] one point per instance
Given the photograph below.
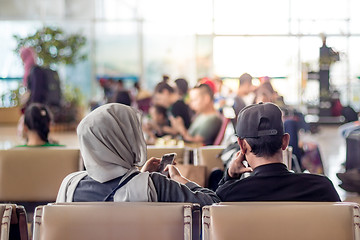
(55, 48)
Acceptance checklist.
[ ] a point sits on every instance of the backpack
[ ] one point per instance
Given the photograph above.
(349, 114)
(53, 97)
(51, 94)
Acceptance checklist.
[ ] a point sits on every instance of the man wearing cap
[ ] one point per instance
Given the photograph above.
(261, 138)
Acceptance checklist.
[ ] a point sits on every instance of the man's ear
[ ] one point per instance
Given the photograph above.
(243, 146)
(206, 98)
(285, 141)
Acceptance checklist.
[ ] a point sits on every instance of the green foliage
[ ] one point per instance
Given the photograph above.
(73, 95)
(53, 46)
(11, 98)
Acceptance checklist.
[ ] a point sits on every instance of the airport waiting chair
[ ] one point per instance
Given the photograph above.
(5, 213)
(18, 224)
(220, 137)
(13, 222)
(209, 156)
(281, 220)
(128, 221)
(353, 199)
(35, 174)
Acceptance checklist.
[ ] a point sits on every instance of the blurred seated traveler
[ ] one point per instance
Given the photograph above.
(350, 180)
(37, 126)
(159, 121)
(264, 93)
(142, 98)
(167, 97)
(244, 96)
(121, 95)
(261, 138)
(292, 123)
(108, 87)
(207, 123)
(246, 89)
(112, 145)
(182, 87)
(222, 95)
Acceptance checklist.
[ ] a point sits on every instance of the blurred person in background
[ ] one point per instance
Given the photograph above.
(182, 87)
(159, 121)
(28, 56)
(265, 93)
(37, 121)
(121, 95)
(34, 78)
(246, 90)
(244, 96)
(178, 110)
(207, 123)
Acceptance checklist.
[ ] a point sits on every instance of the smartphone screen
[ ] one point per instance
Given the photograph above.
(165, 160)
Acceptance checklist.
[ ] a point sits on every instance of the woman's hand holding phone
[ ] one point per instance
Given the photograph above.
(167, 159)
(166, 166)
(151, 165)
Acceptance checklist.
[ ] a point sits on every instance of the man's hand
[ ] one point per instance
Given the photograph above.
(175, 174)
(151, 165)
(237, 166)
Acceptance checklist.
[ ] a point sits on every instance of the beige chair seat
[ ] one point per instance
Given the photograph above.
(114, 221)
(281, 220)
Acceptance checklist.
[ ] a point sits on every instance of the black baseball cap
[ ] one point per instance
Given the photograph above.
(250, 117)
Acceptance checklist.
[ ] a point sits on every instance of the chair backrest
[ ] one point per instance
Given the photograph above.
(281, 220)
(35, 174)
(19, 227)
(221, 134)
(156, 151)
(5, 214)
(193, 173)
(113, 221)
(209, 157)
(353, 199)
(10, 115)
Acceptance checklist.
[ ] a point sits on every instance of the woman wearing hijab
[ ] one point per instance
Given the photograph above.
(112, 145)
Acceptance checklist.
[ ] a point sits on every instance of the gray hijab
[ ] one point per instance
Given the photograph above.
(111, 141)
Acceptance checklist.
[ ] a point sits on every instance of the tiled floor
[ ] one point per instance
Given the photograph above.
(333, 152)
(331, 144)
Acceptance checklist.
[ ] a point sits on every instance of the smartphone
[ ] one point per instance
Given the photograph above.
(165, 160)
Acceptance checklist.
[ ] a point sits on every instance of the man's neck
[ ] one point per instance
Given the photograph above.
(260, 161)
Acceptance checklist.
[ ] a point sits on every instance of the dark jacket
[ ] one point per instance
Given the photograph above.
(274, 182)
(89, 190)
